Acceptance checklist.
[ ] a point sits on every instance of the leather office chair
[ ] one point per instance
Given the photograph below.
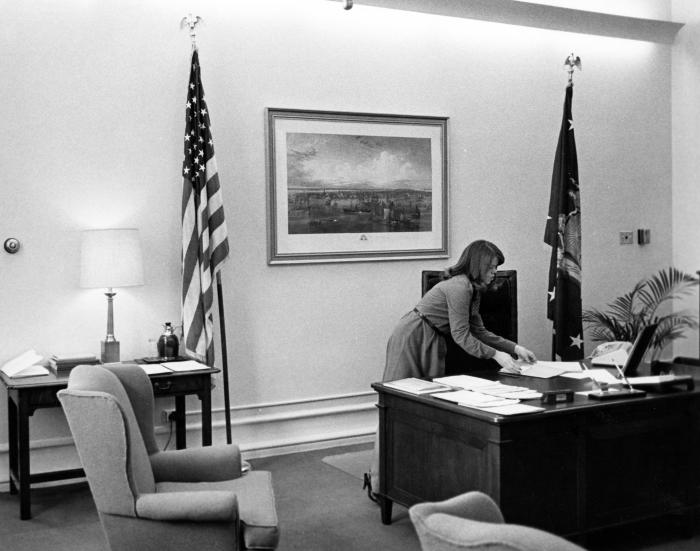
(473, 521)
(152, 499)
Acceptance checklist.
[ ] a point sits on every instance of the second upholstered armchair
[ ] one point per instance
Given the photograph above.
(473, 521)
(152, 499)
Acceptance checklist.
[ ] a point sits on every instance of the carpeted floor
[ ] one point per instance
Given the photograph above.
(320, 504)
(320, 507)
(353, 463)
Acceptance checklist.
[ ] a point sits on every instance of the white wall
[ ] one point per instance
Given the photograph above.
(686, 163)
(93, 111)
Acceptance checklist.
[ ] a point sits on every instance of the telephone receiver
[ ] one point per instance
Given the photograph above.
(611, 353)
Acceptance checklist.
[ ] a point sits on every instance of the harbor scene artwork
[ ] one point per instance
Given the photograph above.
(353, 187)
(340, 183)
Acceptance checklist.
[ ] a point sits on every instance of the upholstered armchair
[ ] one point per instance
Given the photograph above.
(473, 521)
(151, 499)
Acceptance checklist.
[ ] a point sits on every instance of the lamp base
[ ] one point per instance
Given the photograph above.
(110, 351)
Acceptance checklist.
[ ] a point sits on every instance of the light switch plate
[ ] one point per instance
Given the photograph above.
(626, 238)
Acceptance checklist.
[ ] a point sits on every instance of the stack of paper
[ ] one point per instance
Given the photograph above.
(25, 365)
(487, 386)
(514, 392)
(545, 369)
(466, 382)
(599, 375)
(515, 409)
(485, 402)
(417, 386)
(474, 399)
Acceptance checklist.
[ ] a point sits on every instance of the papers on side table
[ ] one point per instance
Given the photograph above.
(169, 367)
(186, 365)
(154, 369)
(25, 365)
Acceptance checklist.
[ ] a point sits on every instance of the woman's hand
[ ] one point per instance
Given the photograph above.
(524, 354)
(506, 362)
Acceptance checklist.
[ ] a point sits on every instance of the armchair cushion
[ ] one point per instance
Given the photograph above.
(206, 464)
(256, 505)
(212, 506)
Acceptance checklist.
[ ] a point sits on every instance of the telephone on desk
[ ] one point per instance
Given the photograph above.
(611, 353)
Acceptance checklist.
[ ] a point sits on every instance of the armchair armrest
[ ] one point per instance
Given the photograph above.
(207, 464)
(202, 506)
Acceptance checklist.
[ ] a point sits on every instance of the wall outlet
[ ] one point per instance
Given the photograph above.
(626, 238)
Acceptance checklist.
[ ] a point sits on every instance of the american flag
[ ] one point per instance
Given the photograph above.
(204, 235)
(563, 234)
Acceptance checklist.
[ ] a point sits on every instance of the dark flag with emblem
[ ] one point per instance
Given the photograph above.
(204, 235)
(563, 234)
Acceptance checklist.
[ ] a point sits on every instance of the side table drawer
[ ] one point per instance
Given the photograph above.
(169, 386)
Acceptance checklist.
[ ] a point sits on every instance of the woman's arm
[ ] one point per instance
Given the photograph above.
(459, 295)
(484, 335)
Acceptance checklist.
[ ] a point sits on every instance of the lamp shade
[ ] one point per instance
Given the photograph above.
(111, 258)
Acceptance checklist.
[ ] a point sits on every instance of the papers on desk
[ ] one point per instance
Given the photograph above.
(417, 386)
(514, 409)
(489, 387)
(545, 369)
(474, 399)
(25, 365)
(599, 375)
(466, 382)
(485, 402)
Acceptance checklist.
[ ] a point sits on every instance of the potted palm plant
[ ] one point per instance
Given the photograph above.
(647, 302)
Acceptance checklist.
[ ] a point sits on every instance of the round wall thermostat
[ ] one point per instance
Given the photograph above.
(11, 245)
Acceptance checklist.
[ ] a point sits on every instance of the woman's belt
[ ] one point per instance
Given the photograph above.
(422, 316)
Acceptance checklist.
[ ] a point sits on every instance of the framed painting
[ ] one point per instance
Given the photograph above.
(355, 187)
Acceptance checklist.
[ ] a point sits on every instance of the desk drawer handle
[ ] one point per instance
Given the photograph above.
(164, 385)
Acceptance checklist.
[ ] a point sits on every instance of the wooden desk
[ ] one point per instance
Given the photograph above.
(571, 469)
(26, 395)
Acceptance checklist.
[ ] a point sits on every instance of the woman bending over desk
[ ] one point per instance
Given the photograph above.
(417, 345)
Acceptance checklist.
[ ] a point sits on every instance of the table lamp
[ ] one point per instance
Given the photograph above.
(110, 258)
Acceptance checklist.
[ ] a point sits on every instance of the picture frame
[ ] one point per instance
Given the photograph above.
(346, 187)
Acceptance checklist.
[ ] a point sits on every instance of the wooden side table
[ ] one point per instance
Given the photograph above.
(26, 395)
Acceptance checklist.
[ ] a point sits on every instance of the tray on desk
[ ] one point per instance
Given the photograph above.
(663, 383)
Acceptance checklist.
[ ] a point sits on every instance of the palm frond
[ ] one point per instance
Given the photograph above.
(605, 327)
(673, 326)
(624, 306)
(666, 285)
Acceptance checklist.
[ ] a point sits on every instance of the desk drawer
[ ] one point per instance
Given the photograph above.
(181, 384)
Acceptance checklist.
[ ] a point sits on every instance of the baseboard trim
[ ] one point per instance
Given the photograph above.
(263, 430)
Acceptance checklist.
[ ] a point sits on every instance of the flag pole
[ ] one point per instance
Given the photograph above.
(224, 356)
(570, 64)
(191, 22)
(564, 203)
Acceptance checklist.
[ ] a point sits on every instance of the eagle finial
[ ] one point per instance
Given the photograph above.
(571, 63)
(191, 22)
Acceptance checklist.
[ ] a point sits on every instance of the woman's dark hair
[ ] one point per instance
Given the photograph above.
(473, 261)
